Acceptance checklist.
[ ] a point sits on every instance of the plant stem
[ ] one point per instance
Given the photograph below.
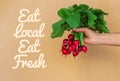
(81, 38)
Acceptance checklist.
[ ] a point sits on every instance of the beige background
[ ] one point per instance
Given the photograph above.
(102, 63)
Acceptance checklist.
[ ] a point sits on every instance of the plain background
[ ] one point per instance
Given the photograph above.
(102, 63)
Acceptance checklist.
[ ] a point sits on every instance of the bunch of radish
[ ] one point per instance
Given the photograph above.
(78, 16)
(71, 45)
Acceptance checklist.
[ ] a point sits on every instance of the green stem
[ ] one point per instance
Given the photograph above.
(81, 38)
(76, 36)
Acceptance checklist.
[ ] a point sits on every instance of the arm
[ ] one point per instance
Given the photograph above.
(100, 39)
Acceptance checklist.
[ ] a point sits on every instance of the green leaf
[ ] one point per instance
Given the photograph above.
(104, 29)
(83, 6)
(83, 20)
(99, 12)
(64, 13)
(58, 30)
(74, 20)
(71, 8)
(80, 8)
(100, 20)
(66, 26)
(91, 18)
(75, 6)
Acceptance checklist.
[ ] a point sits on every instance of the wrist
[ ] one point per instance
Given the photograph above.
(100, 39)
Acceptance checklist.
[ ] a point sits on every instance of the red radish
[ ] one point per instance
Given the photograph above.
(65, 41)
(70, 36)
(79, 48)
(73, 47)
(70, 49)
(75, 53)
(64, 52)
(76, 42)
(69, 43)
(64, 47)
(84, 49)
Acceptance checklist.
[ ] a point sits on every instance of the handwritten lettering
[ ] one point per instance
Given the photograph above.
(30, 48)
(26, 47)
(20, 32)
(40, 63)
(30, 18)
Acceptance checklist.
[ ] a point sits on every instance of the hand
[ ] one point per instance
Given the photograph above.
(91, 36)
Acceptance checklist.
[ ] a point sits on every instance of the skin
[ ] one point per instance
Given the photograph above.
(95, 38)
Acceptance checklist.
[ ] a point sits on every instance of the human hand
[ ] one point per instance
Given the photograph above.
(90, 35)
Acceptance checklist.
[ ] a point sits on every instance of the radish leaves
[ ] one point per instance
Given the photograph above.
(78, 16)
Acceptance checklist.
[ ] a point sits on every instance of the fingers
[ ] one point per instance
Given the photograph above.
(80, 30)
(84, 30)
